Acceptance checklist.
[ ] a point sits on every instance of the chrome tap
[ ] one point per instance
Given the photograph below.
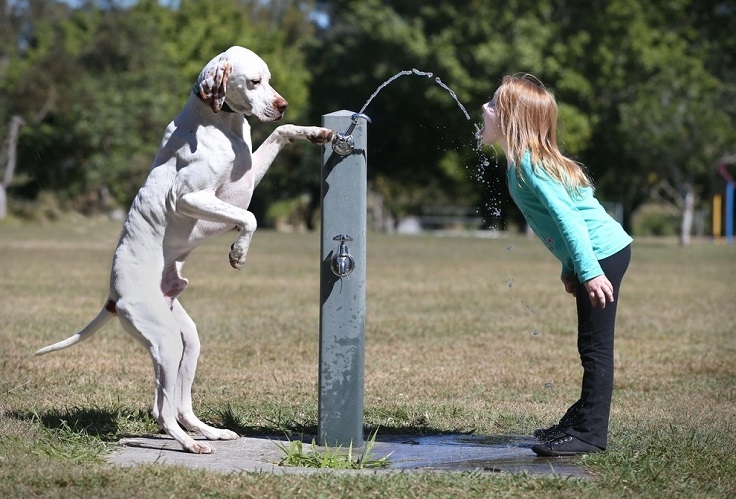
(342, 263)
(344, 143)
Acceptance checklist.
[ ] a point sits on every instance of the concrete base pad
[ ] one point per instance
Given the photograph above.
(456, 453)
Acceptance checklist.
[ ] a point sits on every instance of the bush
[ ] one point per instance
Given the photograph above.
(289, 215)
(655, 220)
(45, 208)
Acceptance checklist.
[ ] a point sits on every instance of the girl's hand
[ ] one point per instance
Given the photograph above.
(570, 283)
(600, 291)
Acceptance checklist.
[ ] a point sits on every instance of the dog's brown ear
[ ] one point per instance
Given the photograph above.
(213, 82)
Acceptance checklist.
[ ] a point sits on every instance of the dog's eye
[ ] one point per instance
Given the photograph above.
(255, 82)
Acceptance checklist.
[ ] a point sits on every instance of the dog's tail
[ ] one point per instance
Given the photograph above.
(107, 313)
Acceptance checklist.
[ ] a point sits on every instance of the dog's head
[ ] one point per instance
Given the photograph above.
(240, 79)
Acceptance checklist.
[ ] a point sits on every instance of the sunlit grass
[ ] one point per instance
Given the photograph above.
(462, 335)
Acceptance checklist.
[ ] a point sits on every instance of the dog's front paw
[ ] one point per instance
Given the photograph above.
(237, 256)
(319, 135)
(197, 447)
(239, 248)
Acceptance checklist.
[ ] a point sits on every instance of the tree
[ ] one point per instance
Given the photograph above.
(108, 76)
(421, 149)
(10, 150)
(664, 106)
(678, 128)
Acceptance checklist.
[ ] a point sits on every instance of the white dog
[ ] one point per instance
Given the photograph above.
(200, 185)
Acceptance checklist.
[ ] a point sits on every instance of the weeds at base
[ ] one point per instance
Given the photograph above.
(333, 458)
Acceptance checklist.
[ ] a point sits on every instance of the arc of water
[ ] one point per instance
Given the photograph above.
(418, 73)
(453, 95)
(381, 87)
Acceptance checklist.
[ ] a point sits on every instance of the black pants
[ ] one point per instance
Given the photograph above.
(588, 417)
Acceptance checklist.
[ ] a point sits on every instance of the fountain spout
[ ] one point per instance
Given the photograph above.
(344, 143)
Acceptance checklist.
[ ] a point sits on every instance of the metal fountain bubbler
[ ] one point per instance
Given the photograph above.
(344, 143)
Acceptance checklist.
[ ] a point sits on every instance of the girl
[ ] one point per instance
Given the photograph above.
(555, 195)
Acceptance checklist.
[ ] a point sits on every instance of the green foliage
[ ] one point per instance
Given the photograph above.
(676, 123)
(107, 80)
(595, 57)
(291, 212)
(645, 89)
(331, 457)
(655, 220)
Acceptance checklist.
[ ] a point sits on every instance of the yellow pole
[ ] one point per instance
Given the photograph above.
(717, 200)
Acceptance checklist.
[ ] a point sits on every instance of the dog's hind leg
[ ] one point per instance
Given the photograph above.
(151, 322)
(185, 378)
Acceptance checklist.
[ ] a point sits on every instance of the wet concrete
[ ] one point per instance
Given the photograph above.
(494, 453)
(408, 453)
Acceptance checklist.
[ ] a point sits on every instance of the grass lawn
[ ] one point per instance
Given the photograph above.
(462, 335)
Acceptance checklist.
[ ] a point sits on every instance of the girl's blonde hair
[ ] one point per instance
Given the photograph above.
(527, 114)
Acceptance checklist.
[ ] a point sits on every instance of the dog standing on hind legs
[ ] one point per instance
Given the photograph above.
(200, 186)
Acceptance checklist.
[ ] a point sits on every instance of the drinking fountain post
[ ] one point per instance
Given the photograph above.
(342, 282)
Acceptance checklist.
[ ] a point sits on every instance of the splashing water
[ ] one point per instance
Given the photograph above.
(490, 211)
(418, 73)
(479, 136)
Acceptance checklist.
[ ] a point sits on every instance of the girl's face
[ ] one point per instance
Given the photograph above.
(491, 131)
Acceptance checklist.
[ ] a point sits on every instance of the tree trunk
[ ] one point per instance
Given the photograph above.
(376, 207)
(15, 123)
(688, 211)
(3, 202)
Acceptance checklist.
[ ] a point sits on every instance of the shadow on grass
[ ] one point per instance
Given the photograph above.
(107, 424)
(111, 424)
(295, 424)
(293, 429)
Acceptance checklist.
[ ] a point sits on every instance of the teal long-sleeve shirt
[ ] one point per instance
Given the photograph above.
(574, 227)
